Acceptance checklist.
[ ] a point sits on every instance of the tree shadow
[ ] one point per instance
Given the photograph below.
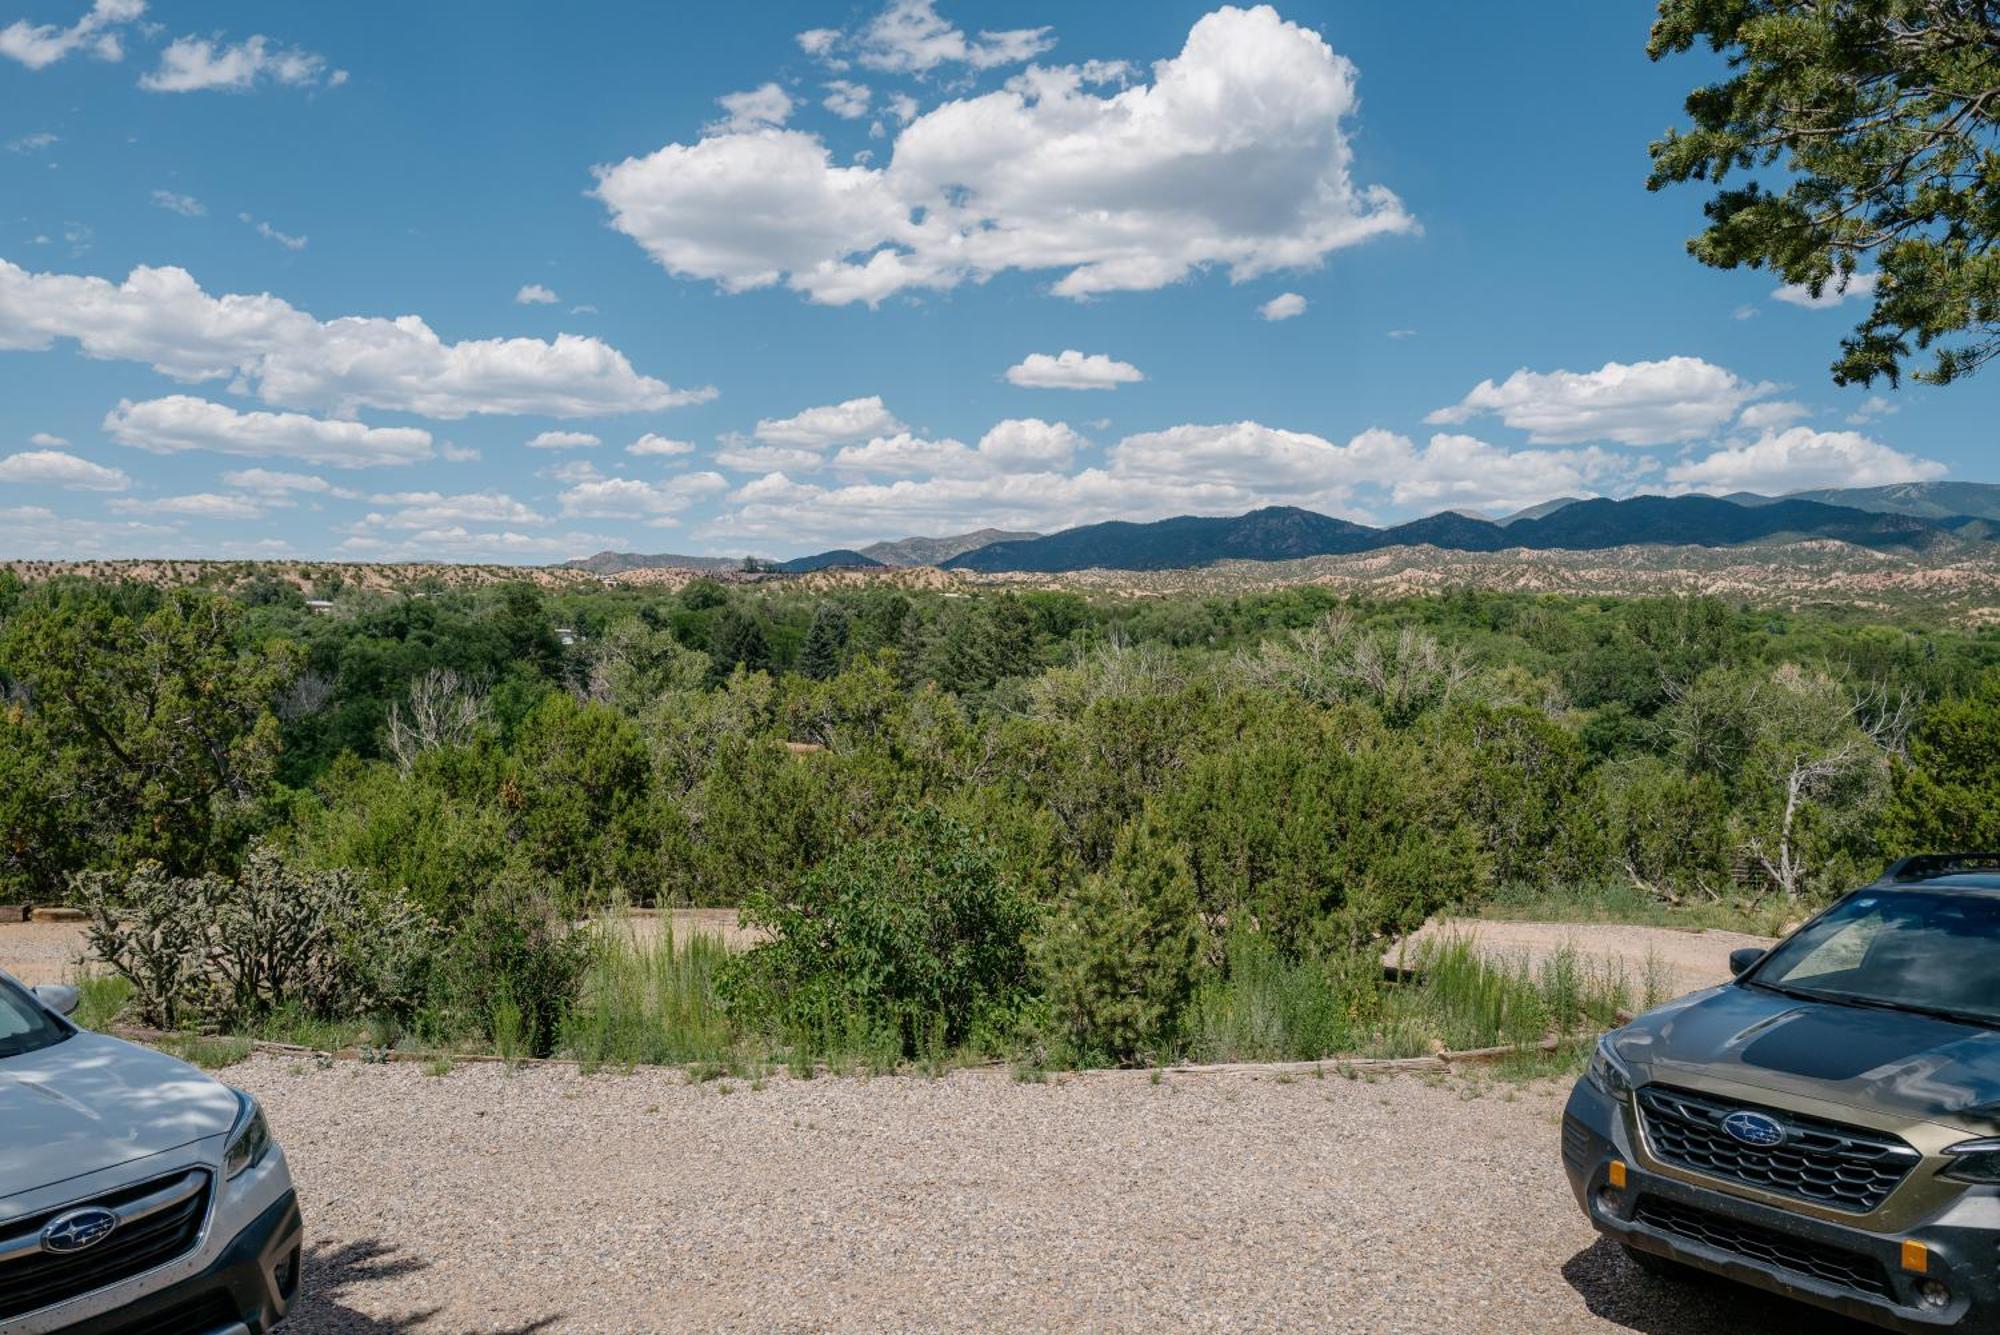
(1617, 1291)
(331, 1272)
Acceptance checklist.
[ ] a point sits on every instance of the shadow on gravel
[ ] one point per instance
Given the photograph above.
(332, 1272)
(1615, 1290)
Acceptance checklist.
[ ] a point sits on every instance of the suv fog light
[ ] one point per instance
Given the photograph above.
(1934, 1295)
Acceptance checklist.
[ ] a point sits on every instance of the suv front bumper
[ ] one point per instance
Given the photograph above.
(1781, 1251)
(248, 1287)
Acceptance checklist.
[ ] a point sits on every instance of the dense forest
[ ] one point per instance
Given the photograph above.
(949, 810)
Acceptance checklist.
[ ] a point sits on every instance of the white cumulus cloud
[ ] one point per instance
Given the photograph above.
(430, 510)
(1641, 403)
(1235, 155)
(1071, 369)
(1802, 459)
(197, 64)
(181, 422)
(628, 498)
(564, 440)
(1858, 287)
(269, 482)
(39, 45)
(830, 424)
(650, 444)
(1772, 416)
(200, 505)
(910, 37)
(55, 468)
(847, 99)
(1020, 476)
(1284, 306)
(534, 294)
(761, 108)
(288, 358)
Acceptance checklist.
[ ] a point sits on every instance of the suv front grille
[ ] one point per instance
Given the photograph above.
(1850, 1270)
(1826, 1163)
(160, 1220)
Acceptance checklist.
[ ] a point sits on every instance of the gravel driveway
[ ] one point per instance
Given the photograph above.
(1689, 960)
(546, 1200)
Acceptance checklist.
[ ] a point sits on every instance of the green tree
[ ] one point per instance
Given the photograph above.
(576, 795)
(159, 725)
(1946, 796)
(1119, 961)
(1879, 117)
(820, 658)
(737, 640)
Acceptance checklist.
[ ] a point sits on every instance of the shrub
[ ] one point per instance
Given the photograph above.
(912, 935)
(512, 969)
(1120, 959)
(210, 950)
(1319, 848)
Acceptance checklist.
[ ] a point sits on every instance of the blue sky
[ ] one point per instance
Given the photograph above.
(362, 281)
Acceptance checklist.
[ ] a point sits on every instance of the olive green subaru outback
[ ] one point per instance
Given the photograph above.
(1827, 1126)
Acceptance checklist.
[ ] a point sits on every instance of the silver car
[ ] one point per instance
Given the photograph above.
(136, 1193)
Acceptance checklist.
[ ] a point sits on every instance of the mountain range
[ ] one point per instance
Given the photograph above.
(1917, 516)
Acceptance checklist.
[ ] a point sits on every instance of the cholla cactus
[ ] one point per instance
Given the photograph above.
(213, 951)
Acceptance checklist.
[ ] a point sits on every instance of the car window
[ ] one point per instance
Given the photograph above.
(24, 1025)
(1915, 949)
(1845, 949)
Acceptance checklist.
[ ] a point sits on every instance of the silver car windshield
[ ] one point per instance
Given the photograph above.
(1914, 950)
(25, 1026)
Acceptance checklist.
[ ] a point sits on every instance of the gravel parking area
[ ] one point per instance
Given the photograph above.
(548, 1200)
(1689, 960)
(43, 952)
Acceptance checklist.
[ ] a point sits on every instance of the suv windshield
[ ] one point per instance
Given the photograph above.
(25, 1026)
(1914, 950)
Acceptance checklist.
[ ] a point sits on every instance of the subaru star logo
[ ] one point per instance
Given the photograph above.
(1753, 1128)
(79, 1230)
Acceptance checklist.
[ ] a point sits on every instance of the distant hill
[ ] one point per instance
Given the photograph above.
(839, 558)
(1538, 511)
(1275, 534)
(612, 563)
(1284, 533)
(1925, 500)
(1710, 521)
(936, 551)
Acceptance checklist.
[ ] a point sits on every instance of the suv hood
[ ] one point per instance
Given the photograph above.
(1908, 1065)
(92, 1102)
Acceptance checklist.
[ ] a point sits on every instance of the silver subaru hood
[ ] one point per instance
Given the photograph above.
(91, 1102)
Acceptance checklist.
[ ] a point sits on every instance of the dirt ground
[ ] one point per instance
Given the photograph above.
(550, 1201)
(1690, 960)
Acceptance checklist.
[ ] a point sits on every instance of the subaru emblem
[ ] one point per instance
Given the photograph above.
(78, 1231)
(1754, 1128)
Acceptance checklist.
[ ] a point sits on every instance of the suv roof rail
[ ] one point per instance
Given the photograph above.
(1925, 866)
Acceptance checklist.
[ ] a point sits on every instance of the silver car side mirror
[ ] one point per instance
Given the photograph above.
(57, 997)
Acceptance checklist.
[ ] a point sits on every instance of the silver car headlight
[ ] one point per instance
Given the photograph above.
(249, 1139)
(1606, 1073)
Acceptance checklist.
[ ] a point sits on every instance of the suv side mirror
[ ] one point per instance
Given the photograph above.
(62, 1000)
(1743, 958)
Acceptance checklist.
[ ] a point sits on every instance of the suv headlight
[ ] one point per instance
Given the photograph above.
(1605, 1072)
(249, 1139)
(1974, 1161)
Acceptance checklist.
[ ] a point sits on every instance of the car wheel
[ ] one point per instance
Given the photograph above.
(1656, 1265)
